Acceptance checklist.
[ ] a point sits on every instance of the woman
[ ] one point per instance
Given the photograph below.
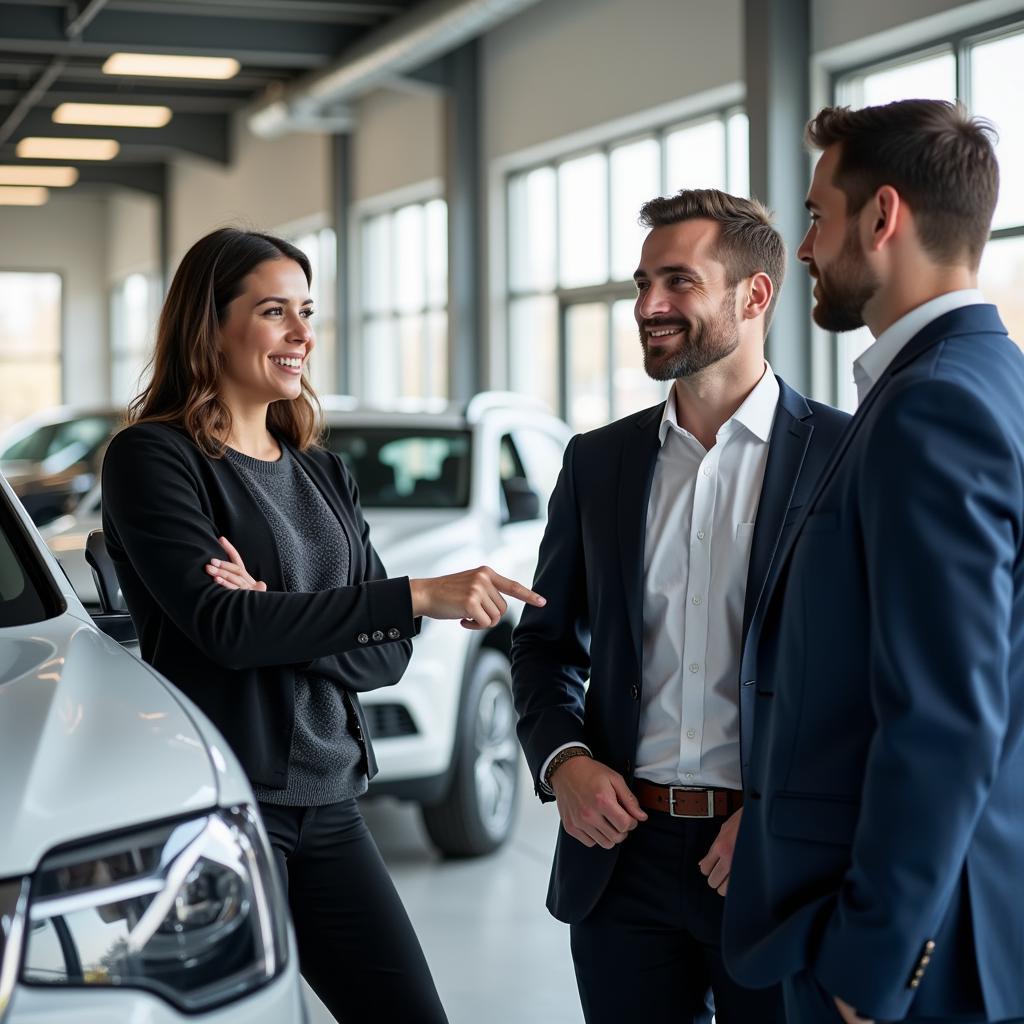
(222, 451)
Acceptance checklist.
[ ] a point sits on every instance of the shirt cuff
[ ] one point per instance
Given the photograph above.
(544, 767)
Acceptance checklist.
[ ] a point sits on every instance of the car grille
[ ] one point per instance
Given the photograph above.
(389, 720)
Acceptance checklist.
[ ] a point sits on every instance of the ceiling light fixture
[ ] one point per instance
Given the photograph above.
(159, 65)
(37, 148)
(54, 177)
(14, 195)
(112, 115)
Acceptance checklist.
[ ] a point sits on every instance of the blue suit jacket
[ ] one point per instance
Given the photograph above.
(886, 789)
(591, 572)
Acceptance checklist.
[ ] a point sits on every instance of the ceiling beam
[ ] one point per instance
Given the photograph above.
(179, 104)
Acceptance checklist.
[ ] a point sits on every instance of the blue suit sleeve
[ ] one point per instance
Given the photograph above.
(941, 502)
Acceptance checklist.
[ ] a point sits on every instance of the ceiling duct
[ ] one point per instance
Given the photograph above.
(316, 102)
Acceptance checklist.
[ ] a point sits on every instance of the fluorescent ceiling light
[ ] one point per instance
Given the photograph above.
(159, 65)
(13, 195)
(55, 177)
(112, 115)
(36, 148)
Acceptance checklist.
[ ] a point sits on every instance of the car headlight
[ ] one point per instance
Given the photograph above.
(191, 911)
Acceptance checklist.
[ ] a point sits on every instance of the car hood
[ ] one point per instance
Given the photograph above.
(421, 542)
(92, 739)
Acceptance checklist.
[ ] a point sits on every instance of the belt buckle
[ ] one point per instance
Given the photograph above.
(691, 789)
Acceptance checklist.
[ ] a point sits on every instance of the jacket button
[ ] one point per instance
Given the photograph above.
(378, 636)
(363, 638)
(635, 692)
(393, 634)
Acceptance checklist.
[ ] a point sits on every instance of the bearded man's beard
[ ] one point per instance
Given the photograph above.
(845, 288)
(701, 344)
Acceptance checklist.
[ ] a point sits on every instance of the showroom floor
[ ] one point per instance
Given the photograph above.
(496, 953)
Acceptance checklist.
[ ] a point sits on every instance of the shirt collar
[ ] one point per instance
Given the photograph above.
(874, 360)
(757, 413)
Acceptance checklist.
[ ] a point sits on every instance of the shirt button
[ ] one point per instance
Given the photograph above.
(700, 535)
(363, 638)
(689, 775)
(635, 692)
(697, 599)
(694, 667)
(393, 634)
(378, 635)
(690, 733)
(707, 471)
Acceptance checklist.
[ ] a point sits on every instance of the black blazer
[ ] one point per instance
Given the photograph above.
(591, 572)
(235, 652)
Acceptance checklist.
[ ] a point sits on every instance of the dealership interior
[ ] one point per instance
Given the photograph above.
(465, 177)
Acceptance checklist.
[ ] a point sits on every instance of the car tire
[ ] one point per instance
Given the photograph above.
(479, 810)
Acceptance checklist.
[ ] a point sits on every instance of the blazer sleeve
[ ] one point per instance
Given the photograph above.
(551, 645)
(154, 515)
(941, 502)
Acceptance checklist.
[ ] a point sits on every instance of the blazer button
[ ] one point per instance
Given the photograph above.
(378, 636)
(393, 634)
(363, 638)
(635, 692)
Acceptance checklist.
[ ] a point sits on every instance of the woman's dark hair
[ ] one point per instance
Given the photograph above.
(187, 365)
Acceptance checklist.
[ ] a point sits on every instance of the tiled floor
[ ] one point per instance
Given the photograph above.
(495, 952)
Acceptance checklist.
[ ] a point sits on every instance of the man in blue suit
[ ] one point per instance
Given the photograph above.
(662, 532)
(878, 870)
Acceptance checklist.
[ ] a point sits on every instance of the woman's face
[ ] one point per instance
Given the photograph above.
(266, 336)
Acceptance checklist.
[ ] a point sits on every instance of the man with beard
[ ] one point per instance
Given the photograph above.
(877, 873)
(661, 535)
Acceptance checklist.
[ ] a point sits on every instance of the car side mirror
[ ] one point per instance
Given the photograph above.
(522, 501)
(113, 617)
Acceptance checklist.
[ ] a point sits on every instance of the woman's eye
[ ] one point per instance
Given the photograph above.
(307, 313)
(273, 311)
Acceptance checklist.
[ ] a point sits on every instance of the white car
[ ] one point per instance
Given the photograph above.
(444, 489)
(136, 880)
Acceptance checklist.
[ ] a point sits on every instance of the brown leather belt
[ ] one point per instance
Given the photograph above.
(687, 801)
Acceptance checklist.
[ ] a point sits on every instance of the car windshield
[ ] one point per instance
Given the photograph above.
(21, 600)
(61, 444)
(413, 467)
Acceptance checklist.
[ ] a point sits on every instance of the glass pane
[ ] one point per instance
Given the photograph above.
(586, 338)
(849, 346)
(412, 361)
(1001, 278)
(997, 85)
(27, 386)
(376, 264)
(583, 221)
(437, 355)
(632, 389)
(635, 174)
(325, 280)
(436, 213)
(381, 374)
(932, 78)
(533, 344)
(695, 157)
(739, 154)
(323, 362)
(531, 209)
(410, 259)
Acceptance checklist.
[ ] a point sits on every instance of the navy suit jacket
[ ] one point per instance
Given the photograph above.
(885, 806)
(591, 572)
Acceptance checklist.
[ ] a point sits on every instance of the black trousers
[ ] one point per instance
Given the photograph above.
(650, 950)
(357, 947)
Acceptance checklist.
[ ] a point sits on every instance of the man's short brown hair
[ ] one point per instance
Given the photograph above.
(939, 159)
(748, 242)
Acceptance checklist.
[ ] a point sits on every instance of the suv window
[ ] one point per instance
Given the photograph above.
(22, 600)
(410, 468)
(542, 455)
(64, 443)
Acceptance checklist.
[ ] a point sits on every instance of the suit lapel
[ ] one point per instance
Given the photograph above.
(636, 473)
(790, 437)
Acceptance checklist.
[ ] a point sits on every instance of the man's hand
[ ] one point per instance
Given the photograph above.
(849, 1014)
(596, 805)
(474, 596)
(717, 863)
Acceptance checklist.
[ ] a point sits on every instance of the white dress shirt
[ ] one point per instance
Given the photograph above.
(874, 360)
(700, 522)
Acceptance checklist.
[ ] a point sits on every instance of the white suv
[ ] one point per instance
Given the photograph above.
(443, 489)
(136, 880)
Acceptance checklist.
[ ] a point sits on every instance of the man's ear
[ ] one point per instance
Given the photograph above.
(884, 211)
(758, 296)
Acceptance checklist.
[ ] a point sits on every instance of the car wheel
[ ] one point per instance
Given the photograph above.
(479, 810)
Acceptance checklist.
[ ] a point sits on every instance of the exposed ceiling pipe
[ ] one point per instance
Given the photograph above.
(78, 21)
(410, 41)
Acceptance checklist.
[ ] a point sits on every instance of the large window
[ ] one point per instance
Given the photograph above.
(30, 344)
(574, 242)
(134, 309)
(986, 72)
(403, 302)
(322, 249)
